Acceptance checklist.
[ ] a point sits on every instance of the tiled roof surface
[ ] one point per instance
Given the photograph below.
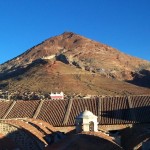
(115, 110)
(141, 108)
(53, 111)
(99, 134)
(86, 141)
(110, 110)
(23, 109)
(31, 129)
(79, 105)
(4, 106)
(46, 127)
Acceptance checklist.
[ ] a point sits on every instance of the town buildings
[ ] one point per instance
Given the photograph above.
(118, 122)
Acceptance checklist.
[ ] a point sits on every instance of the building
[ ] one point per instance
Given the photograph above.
(111, 122)
(57, 95)
(86, 121)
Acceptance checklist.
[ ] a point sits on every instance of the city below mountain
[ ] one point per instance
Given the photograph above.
(77, 66)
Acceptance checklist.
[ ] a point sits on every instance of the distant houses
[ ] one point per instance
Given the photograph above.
(17, 95)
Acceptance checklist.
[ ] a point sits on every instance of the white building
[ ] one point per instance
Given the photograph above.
(86, 121)
(57, 95)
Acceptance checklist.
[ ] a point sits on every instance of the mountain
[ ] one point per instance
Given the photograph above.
(74, 64)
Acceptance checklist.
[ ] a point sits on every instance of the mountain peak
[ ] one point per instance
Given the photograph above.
(80, 52)
(68, 33)
(68, 61)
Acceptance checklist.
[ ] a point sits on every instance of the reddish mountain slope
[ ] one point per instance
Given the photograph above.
(74, 64)
(82, 52)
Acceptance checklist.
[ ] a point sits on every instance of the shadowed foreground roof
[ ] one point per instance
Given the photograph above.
(137, 137)
(86, 141)
(110, 110)
(6, 143)
(34, 127)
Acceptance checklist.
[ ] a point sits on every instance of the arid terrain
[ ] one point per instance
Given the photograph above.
(76, 65)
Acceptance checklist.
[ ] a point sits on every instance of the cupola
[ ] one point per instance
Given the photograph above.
(86, 121)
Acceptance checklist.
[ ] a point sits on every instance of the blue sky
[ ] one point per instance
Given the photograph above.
(122, 24)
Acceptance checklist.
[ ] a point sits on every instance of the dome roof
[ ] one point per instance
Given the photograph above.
(86, 114)
(86, 141)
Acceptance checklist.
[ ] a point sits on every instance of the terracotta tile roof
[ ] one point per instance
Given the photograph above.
(53, 111)
(41, 125)
(86, 141)
(99, 134)
(142, 108)
(27, 127)
(23, 109)
(79, 105)
(110, 110)
(35, 128)
(4, 106)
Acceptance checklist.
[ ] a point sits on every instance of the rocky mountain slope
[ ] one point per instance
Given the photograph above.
(75, 64)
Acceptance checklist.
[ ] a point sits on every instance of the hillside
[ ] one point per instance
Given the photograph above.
(73, 64)
(47, 76)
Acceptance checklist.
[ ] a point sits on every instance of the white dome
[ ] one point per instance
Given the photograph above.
(86, 114)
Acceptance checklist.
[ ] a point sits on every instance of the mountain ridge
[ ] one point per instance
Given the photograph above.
(75, 52)
(76, 49)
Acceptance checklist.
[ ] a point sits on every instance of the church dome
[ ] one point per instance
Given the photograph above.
(86, 114)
